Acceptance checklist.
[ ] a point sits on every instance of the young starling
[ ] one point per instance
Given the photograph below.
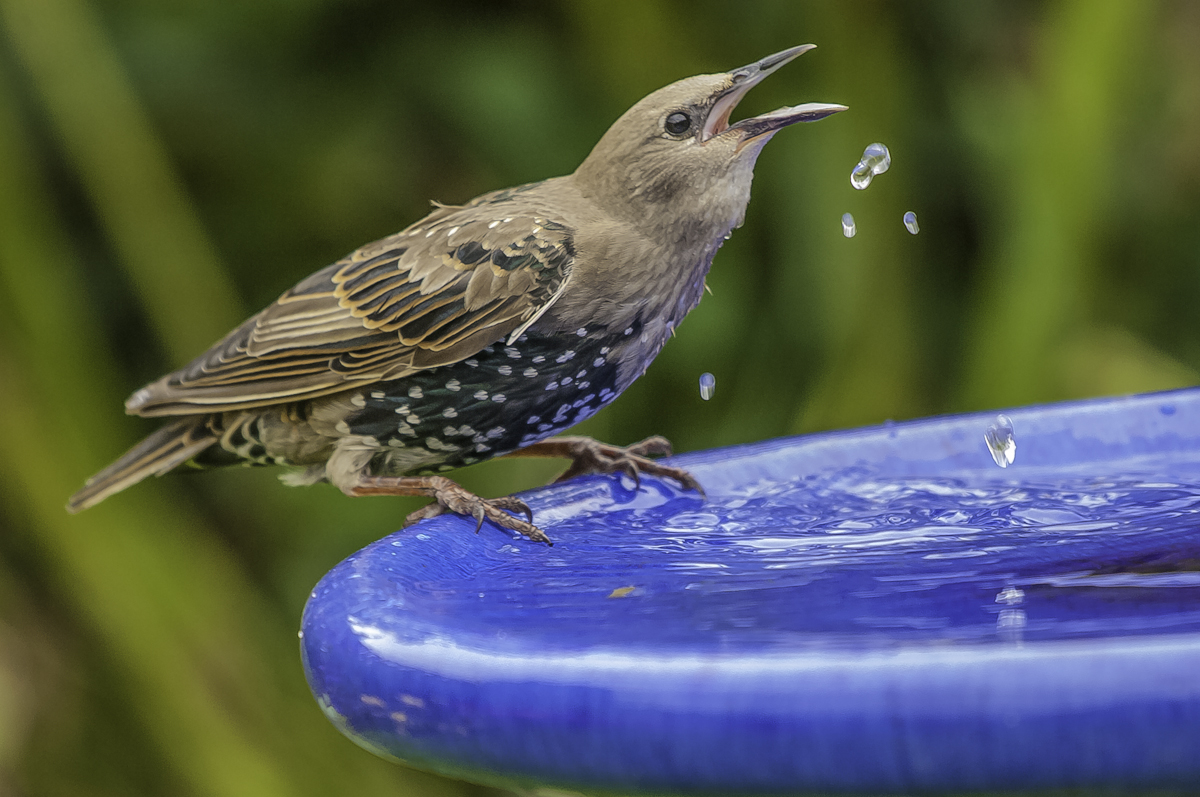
(482, 329)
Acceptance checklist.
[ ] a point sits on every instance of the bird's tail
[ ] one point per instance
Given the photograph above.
(170, 446)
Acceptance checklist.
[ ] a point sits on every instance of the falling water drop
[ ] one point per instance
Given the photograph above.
(910, 222)
(875, 160)
(860, 178)
(708, 384)
(1001, 442)
(848, 228)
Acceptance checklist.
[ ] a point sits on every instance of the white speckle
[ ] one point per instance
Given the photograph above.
(544, 427)
(445, 467)
(434, 444)
(605, 394)
(413, 419)
(581, 332)
(358, 400)
(539, 359)
(505, 370)
(569, 354)
(402, 409)
(590, 397)
(582, 385)
(451, 231)
(582, 373)
(465, 429)
(499, 398)
(454, 385)
(342, 427)
(404, 428)
(529, 372)
(605, 350)
(415, 392)
(450, 412)
(449, 430)
(473, 362)
(481, 395)
(495, 432)
(493, 225)
(523, 339)
(512, 353)
(599, 361)
(552, 386)
(378, 394)
(566, 380)
(396, 442)
(533, 419)
(628, 330)
(481, 447)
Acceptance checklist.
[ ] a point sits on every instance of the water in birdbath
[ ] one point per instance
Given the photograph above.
(875, 160)
(910, 222)
(708, 384)
(852, 556)
(848, 228)
(1000, 441)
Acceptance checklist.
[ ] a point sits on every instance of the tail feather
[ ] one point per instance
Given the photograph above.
(170, 446)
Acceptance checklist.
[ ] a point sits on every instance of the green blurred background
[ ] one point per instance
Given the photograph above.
(168, 168)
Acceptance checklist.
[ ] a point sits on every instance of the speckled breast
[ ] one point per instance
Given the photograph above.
(503, 398)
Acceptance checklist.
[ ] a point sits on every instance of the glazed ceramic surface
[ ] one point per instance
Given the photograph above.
(881, 610)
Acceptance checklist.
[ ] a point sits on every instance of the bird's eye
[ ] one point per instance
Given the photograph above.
(678, 123)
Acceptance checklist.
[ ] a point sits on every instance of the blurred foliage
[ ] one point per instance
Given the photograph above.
(165, 168)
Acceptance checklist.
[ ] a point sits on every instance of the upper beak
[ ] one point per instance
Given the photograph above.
(746, 78)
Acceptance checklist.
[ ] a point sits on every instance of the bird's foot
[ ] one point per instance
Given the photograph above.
(592, 456)
(449, 497)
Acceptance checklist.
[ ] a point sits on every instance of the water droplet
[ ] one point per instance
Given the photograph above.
(910, 222)
(875, 160)
(708, 384)
(848, 228)
(1001, 442)
(860, 178)
(1010, 596)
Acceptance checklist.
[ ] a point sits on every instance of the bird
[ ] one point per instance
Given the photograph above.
(484, 329)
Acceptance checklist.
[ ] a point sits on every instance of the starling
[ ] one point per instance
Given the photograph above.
(483, 329)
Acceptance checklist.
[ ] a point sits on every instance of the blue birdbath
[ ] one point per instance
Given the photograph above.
(877, 611)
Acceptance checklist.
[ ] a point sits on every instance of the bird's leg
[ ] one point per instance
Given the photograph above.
(448, 496)
(592, 456)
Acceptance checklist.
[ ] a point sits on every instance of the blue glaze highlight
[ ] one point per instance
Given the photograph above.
(872, 611)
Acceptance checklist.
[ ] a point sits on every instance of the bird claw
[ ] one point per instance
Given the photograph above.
(592, 456)
(453, 498)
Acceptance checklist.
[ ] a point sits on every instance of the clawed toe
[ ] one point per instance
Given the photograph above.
(656, 446)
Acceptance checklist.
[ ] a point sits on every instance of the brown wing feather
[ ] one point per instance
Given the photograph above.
(434, 294)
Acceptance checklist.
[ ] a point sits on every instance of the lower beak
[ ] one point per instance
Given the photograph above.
(770, 122)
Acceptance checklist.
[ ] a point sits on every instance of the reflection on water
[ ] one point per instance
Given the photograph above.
(846, 558)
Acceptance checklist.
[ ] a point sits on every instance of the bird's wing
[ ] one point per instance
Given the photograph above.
(431, 295)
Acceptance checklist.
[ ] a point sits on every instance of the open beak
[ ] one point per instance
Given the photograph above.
(747, 78)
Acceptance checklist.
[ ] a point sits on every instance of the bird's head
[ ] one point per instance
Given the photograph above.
(675, 152)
